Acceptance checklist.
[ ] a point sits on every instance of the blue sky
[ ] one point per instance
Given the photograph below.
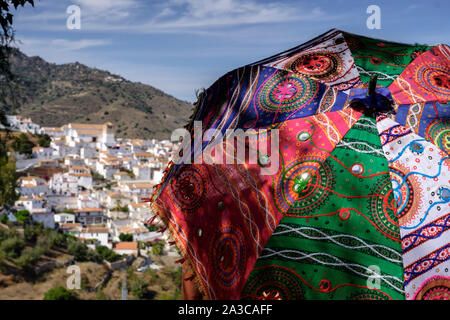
(183, 45)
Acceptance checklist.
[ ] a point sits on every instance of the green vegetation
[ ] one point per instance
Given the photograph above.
(107, 254)
(44, 141)
(139, 288)
(8, 177)
(22, 144)
(152, 228)
(157, 247)
(60, 293)
(67, 210)
(97, 176)
(78, 249)
(4, 219)
(126, 237)
(22, 216)
(121, 208)
(11, 248)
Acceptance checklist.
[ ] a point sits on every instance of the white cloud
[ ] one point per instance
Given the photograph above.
(107, 10)
(62, 49)
(207, 13)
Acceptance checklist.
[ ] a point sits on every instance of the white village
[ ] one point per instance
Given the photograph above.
(94, 186)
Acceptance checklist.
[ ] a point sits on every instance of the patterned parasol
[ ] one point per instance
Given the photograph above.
(358, 207)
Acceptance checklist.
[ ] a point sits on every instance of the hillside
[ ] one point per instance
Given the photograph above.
(53, 95)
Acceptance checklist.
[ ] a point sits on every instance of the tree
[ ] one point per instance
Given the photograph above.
(22, 216)
(28, 258)
(78, 250)
(23, 145)
(44, 141)
(60, 293)
(6, 39)
(126, 237)
(11, 248)
(107, 254)
(8, 179)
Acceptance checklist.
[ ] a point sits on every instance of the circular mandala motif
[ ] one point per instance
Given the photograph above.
(383, 208)
(437, 288)
(296, 201)
(282, 93)
(434, 78)
(407, 194)
(273, 283)
(317, 65)
(188, 188)
(228, 256)
(438, 131)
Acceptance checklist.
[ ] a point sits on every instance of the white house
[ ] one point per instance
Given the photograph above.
(99, 235)
(140, 211)
(42, 153)
(141, 189)
(107, 167)
(33, 186)
(44, 216)
(127, 248)
(90, 215)
(86, 200)
(62, 218)
(121, 176)
(142, 172)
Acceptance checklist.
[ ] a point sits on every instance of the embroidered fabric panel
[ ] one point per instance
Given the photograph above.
(420, 174)
(337, 231)
(222, 215)
(426, 79)
(329, 62)
(382, 58)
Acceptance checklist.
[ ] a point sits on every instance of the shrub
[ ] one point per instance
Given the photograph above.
(78, 250)
(22, 145)
(12, 247)
(126, 237)
(4, 219)
(28, 258)
(44, 141)
(157, 247)
(107, 254)
(22, 216)
(55, 239)
(139, 288)
(30, 233)
(60, 293)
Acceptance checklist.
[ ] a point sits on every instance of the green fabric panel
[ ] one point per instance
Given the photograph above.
(387, 59)
(326, 254)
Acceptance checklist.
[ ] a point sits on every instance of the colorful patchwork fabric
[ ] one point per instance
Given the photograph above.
(338, 231)
(385, 59)
(420, 174)
(358, 205)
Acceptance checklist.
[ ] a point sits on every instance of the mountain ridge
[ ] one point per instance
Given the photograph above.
(55, 94)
